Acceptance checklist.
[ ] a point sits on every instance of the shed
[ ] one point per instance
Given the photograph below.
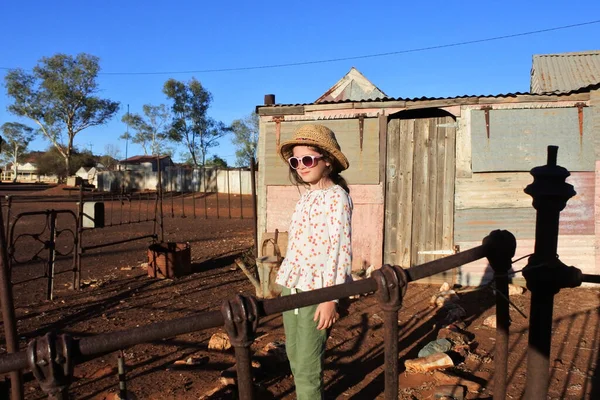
(145, 163)
(432, 176)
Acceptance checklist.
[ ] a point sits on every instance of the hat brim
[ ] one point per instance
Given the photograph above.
(285, 151)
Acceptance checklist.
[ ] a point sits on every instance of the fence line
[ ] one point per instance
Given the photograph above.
(178, 179)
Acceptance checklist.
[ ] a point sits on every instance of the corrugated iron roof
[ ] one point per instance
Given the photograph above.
(563, 72)
(466, 96)
(140, 159)
(352, 87)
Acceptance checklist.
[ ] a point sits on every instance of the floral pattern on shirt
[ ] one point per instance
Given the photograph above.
(319, 252)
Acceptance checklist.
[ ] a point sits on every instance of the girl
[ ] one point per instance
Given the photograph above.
(319, 252)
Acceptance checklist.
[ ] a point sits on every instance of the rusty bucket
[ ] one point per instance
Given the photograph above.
(169, 260)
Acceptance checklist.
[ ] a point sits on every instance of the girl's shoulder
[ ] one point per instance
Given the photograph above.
(336, 192)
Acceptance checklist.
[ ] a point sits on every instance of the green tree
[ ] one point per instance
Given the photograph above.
(216, 161)
(51, 162)
(151, 129)
(16, 137)
(245, 138)
(191, 123)
(60, 97)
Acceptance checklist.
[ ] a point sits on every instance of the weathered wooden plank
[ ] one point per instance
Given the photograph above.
(391, 196)
(475, 224)
(448, 187)
(404, 206)
(463, 145)
(431, 200)
(518, 139)
(281, 110)
(324, 107)
(383, 122)
(576, 250)
(421, 217)
(493, 190)
(525, 98)
(440, 142)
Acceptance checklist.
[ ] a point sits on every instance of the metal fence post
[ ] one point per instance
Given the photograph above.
(501, 249)
(8, 312)
(241, 320)
(545, 273)
(254, 205)
(51, 244)
(50, 359)
(391, 287)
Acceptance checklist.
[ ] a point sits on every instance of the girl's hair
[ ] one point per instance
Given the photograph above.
(333, 172)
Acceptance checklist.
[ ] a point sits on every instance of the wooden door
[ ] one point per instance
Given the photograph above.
(419, 198)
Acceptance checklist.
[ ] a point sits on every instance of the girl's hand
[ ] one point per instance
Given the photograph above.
(326, 315)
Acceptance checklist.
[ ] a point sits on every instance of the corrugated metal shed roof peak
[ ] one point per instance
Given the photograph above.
(563, 72)
(569, 54)
(353, 86)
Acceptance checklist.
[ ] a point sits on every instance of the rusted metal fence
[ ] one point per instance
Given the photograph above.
(52, 357)
(208, 192)
(47, 227)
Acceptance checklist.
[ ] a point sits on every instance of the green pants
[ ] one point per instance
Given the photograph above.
(305, 347)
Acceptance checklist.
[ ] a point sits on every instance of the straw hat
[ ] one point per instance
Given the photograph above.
(318, 136)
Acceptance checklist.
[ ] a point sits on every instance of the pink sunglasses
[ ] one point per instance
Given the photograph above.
(307, 161)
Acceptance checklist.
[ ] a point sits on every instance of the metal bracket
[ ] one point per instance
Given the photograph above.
(50, 359)
(278, 121)
(486, 110)
(241, 319)
(580, 115)
(361, 128)
(391, 286)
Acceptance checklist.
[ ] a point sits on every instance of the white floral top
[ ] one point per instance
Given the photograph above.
(319, 252)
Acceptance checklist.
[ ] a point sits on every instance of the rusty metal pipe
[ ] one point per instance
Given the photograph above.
(98, 246)
(444, 264)
(590, 278)
(8, 314)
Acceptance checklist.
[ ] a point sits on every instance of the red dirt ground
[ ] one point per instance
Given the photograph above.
(118, 295)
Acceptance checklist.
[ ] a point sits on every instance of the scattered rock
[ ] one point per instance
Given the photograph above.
(275, 350)
(429, 363)
(191, 362)
(443, 298)
(144, 265)
(454, 313)
(116, 396)
(436, 346)
(515, 289)
(219, 341)
(482, 359)
(456, 392)
(455, 335)
(128, 268)
(475, 382)
(490, 321)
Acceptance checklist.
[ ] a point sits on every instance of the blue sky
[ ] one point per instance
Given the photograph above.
(169, 36)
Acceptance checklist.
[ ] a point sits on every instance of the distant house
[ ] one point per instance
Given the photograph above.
(145, 163)
(26, 172)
